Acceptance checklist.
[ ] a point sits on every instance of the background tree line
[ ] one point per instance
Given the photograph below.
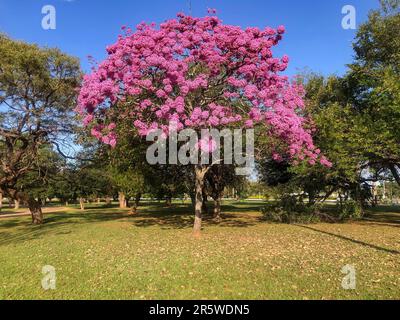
(356, 119)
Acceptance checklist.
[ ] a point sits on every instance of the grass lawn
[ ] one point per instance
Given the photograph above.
(105, 254)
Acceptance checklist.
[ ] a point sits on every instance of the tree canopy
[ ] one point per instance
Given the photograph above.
(197, 73)
(37, 98)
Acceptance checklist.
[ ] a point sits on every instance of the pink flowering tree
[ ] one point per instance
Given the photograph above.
(198, 73)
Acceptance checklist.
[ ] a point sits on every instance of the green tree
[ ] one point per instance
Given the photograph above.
(357, 118)
(43, 176)
(127, 168)
(37, 98)
(130, 183)
(339, 134)
(89, 183)
(374, 88)
(218, 178)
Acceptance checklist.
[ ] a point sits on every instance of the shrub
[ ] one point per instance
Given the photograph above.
(290, 210)
(350, 209)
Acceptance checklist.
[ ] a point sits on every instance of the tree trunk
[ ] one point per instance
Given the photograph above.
(122, 200)
(136, 203)
(82, 203)
(36, 211)
(311, 199)
(168, 201)
(395, 173)
(137, 200)
(193, 198)
(1, 201)
(205, 201)
(360, 200)
(217, 209)
(199, 175)
(16, 204)
(108, 201)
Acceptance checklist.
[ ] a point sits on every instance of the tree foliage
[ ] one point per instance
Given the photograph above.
(37, 98)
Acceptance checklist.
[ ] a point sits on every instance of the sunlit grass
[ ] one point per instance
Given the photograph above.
(103, 253)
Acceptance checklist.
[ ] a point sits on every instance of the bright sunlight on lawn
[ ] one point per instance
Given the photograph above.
(106, 254)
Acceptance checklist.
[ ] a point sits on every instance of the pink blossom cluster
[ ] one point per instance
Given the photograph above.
(198, 73)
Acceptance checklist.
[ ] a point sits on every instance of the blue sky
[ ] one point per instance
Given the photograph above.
(315, 38)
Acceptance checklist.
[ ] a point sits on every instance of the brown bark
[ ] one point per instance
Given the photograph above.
(36, 211)
(205, 201)
(395, 173)
(16, 204)
(136, 204)
(193, 198)
(217, 209)
(168, 201)
(122, 200)
(108, 200)
(1, 201)
(82, 203)
(199, 176)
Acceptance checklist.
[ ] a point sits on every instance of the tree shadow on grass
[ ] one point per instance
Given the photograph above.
(365, 244)
(59, 223)
(243, 207)
(181, 217)
(185, 221)
(391, 219)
